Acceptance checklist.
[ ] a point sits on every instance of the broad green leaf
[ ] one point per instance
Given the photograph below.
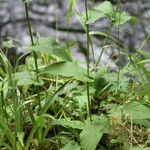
(143, 122)
(102, 10)
(112, 79)
(102, 71)
(105, 7)
(120, 18)
(81, 19)
(82, 99)
(99, 81)
(27, 78)
(94, 15)
(93, 131)
(67, 69)
(71, 146)
(50, 46)
(133, 110)
(67, 122)
(136, 110)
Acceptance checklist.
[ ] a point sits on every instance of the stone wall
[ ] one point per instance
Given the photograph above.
(48, 19)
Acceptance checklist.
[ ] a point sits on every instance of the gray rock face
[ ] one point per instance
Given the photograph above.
(48, 19)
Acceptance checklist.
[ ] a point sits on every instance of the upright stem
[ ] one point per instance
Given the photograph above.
(104, 43)
(88, 51)
(119, 54)
(32, 42)
(31, 36)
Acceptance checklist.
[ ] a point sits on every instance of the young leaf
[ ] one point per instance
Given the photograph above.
(8, 44)
(67, 69)
(120, 19)
(69, 13)
(102, 10)
(105, 7)
(94, 15)
(93, 131)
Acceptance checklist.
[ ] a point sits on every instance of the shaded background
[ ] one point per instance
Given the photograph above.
(48, 20)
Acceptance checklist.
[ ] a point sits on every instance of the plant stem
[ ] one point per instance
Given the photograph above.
(104, 43)
(31, 37)
(88, 51)
(29, 25)
(119, 53)
(32, 42)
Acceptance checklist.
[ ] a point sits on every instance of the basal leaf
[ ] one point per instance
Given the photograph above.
(67, 69)
(52, 47)
(93, 131)
(99, 81)
(71, 146)
(136, 110)
(143, 122)
(26, 78)
(82, 99)
(67, 122)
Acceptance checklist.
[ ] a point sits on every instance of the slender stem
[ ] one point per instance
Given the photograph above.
(29, 25)
(119, 54)
(88, 66)
(31, 37)
(131, 131)
(104, 43)
(92, 49)
(32, 42)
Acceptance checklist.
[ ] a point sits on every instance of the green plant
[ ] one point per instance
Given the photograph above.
(52, 102)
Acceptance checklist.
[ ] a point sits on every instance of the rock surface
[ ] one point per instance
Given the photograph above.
(48, 20)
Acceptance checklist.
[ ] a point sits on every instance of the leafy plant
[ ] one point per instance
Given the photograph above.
(54, 102)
